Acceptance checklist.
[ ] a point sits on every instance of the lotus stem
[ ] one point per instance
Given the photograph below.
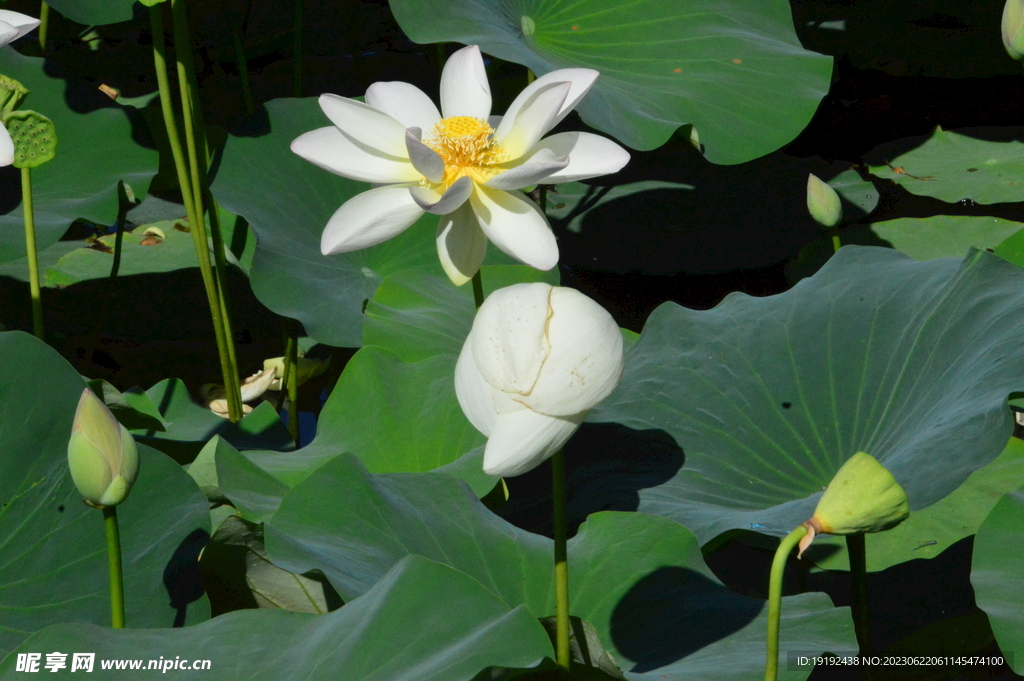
(297, 51)
(30, 252)
(562, 657)
(114, 558)
(290, 380)
(771, 668)
(478, 289)
(44, 24)
(859, 586)
(836, 245)
(191, 196)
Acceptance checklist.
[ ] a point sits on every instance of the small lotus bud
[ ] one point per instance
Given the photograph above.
(1013, 28)
(862, 497)
(823, 202)
(102, 455)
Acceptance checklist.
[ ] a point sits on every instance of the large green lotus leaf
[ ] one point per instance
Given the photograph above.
(288, 202)
(930, 531)
(944, 236)
(984, 164)
(735, 71)
(55, 560)
(95, 12)
(767, 397)
(996, 573)
(190, 425)
(422, 622)
(94, 151)
(639, 579)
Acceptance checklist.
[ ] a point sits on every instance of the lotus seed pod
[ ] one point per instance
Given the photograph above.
(1013, 28)
(12, 93)
(35, 141)
(823, 202)
(862, 497)
(102, 454)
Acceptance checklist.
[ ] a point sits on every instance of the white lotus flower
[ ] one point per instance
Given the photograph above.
(538, 358)
(13, 25)
(460, 163)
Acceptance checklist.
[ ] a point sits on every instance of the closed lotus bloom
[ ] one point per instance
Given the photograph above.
(102, 455)
(537, 359)
(1013, 28)
(823, 202)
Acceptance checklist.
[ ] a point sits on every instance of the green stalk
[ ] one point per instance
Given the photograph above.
(189, 177)
(30, 252)
(836, 245)
(771, 669)
(478, 289)
(114, 559)
(859, 586)
(290, 380)
(297, 51)
(562, 657)
(243, 70)
(44, 24)
(201, 190)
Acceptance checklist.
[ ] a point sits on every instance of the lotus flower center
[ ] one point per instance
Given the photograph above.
(466, 145)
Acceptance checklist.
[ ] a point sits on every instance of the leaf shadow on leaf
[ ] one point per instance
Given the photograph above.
(182, 577)
(673, 612)
(670, 211)
(84, 97)
(606, 466)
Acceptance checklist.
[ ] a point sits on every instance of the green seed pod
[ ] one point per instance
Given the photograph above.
(35, 141)
(862, 497)
(1013, 28)
(12, 93)
(102, 454)
(823, 202)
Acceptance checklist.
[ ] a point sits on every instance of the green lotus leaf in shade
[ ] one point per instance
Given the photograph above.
(736, 72)
(697, 217)
(984, 165)
(55, 567)
(996, 573)
(1012, 247)
(96, 151)
(190, 425)
(639, 580)
(930, 531)
(288, 202)
(944, 236)
(400, 629)
(143, 251)
(768, 397)
(95, 12)
(395, 406)
(237, 574)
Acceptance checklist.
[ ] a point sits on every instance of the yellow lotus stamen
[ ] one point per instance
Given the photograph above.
(467, 148)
